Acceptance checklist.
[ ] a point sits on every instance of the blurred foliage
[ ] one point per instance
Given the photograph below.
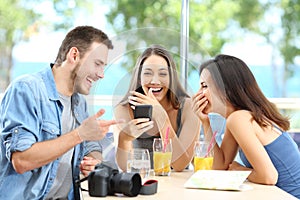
(289, 44)
(210, 23)
(20, 19)
(286, 44)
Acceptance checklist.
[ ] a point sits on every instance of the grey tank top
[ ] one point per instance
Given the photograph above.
(145, 141)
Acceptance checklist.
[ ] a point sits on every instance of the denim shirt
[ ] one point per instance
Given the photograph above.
(30, 112)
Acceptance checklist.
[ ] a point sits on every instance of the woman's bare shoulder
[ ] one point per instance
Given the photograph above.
(239, 113)
(187, 106)
(238, 116)
(121, 107)
(187, 111)
(187, 102)
(122, 111)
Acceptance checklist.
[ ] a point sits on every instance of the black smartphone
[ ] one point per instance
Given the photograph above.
(143, 111)
(140, 90)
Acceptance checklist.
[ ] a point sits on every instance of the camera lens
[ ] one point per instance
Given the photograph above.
(128, 184)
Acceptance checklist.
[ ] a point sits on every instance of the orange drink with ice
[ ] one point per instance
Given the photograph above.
(162, 162)
(203, 163)
(203, 156)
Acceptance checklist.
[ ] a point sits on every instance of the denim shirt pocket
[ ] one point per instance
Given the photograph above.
(50, 131)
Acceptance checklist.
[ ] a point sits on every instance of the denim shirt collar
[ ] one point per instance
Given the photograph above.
(48, 78)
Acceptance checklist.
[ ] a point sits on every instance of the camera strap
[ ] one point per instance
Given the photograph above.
(149, 187)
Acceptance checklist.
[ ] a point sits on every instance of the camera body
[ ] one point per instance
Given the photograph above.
(105, 180)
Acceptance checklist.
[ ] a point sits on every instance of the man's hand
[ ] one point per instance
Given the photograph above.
(93, 128)
(88, 164)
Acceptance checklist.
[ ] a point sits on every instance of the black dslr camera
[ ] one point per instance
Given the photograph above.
(105, 180)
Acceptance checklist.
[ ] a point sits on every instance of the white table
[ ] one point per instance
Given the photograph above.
(171, 188)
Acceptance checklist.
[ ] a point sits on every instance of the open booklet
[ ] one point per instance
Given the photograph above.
(217, 179)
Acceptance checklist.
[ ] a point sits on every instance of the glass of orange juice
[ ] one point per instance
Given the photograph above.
(203, 156)
(162, 156)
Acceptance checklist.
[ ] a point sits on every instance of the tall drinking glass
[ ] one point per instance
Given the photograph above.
(162, 156)
(139, 161)
(203, 156)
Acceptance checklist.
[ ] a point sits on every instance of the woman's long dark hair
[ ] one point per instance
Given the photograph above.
(175, 94)
(238, 86)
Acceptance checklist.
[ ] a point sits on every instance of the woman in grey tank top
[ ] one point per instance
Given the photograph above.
(155, 81)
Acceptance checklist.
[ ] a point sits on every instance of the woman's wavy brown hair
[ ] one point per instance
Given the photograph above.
(237, 85)
(175, 93)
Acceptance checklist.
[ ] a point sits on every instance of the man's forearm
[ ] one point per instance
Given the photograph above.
(42, 153)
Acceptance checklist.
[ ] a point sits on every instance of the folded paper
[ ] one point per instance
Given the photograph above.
(217, 180)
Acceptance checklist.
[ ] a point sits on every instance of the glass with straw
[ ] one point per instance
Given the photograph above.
(162, 155)
(203, 154)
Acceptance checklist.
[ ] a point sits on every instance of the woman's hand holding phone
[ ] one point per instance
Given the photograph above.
(149, 99)
(136, 127)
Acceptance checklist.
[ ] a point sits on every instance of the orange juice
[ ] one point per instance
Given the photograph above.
(162, 162)
(201, 163)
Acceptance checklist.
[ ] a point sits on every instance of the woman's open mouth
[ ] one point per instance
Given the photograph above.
(155, 90)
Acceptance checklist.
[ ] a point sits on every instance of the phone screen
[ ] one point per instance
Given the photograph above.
(143, 111)
(140, 90)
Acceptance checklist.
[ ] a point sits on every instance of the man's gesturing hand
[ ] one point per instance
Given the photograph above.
(93, 128)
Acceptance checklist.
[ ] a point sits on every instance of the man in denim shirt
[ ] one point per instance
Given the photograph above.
(45, 124)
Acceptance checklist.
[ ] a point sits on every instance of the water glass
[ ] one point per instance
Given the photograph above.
(139, 162)
(162, 156)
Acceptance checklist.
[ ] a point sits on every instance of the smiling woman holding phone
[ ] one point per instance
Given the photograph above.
(155, 82)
